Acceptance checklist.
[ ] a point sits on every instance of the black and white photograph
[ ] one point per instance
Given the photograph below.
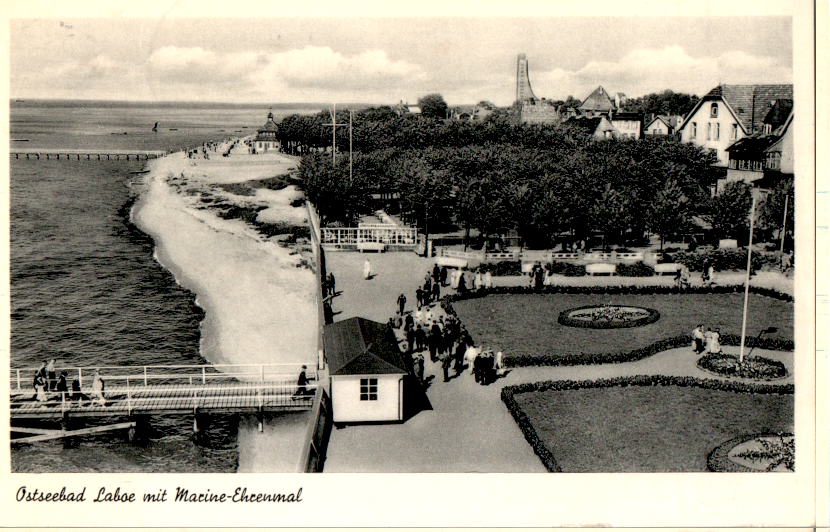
(408, 244)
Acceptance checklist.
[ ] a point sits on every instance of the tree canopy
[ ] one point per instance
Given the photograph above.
(667, 102)
(433, 106)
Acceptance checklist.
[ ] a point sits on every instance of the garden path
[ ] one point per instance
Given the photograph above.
(468, 428)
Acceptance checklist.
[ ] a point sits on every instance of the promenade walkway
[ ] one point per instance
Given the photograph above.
(469, 429)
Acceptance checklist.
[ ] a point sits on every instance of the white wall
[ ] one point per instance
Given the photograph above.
(627, 128)
(347, 406)
(657, 128)
(787, 155)
(703, 119)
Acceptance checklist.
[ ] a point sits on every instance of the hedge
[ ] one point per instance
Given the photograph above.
(728, 259)
(620, 290)
(508, 394)
(637, 269)
(503, 268)
(566, 268)
(718, 460)
(566, 319)
(755, 367)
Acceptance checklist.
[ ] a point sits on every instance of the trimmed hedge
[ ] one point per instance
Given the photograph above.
(620, 290)
(503, 268)
(566, 319)
(728, 259)
(718, 460)
(637, 269)
(753, 367)
(508, 394)
(566, 268)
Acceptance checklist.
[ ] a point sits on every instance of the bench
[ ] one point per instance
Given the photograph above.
(668, 268)
(601, 268)
(451, 262)
(371, 246)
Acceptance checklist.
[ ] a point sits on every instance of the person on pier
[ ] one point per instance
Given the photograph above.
(331, 285)
(98, 389)
(50, 374)
(302, 384)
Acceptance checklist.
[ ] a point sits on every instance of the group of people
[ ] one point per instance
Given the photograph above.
(445, 339)
(203, 150)
(48, 385)
(329, 287)
(705, 341)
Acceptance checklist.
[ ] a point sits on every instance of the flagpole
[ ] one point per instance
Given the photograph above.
(784, 222)
(746, 285)
(351, 113)
(333, 134)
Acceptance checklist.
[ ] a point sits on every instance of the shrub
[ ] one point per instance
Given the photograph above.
(728, 259)
(638, 269)
(508, 394)
(566, 268)
(752, 368)
(565, 318)
(507, 267)
(718, 460)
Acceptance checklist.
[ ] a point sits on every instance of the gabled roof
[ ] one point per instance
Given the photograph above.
(663, 118)
(781, 131)
(750, 104)
(358, 346)
(598, 100)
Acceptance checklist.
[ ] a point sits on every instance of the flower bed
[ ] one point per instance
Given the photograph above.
(650, 418)
(752, 367)
(776, 455)
(608, 316)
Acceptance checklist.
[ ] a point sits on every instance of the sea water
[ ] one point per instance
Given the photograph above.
(85, 285)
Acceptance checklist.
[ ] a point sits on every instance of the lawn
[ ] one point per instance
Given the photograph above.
(522, 324)
(647, 428)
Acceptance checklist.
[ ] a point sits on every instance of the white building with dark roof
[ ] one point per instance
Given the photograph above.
(267, 136)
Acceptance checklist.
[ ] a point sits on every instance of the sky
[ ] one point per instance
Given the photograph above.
(385, 60)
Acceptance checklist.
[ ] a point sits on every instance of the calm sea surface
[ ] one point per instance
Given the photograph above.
(85, 288)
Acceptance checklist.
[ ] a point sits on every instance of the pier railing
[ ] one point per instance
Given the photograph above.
(550, 256)
(133, 399)
(376, 233)
(22, 378)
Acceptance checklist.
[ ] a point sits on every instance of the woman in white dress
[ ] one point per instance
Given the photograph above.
(488, 279)
(479, 281)
(98, 389)
(714, 342)
(367, 269)
(454, 277)
(40, 389)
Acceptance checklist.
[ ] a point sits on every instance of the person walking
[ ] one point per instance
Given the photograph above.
(446, 362)
(707, 339)
(51, 377)
(435, 342)
(410, 340)
(419, 296)
(62, 386)
(436, 291)
(302, 383)
(488, 279)
(470, 356)
(460, 348)
(367, 270)
(420, 338)
(436, 274)
(499, 364)
(332, 289)
(419, 367)
(401, 303)
(697, 339)
(443, 276)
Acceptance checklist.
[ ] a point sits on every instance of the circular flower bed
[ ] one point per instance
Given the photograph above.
(752, 367)
(754, 453)
(608, 316)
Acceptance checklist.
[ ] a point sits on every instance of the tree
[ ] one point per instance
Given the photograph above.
(667, 102)
(433, 106)
(570, 101)
(771, 217)
(729, 214)
(670, 211)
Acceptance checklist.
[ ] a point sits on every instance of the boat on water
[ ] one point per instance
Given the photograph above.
(20, 140)
(141, 172)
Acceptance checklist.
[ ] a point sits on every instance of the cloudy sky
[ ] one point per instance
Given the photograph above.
(384, 60)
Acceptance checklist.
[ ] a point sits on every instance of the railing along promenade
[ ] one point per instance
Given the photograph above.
(351, 237)
(88, 155)
(549, 256)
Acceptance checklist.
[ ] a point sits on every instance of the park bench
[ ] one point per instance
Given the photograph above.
(371, 246)
(668, 268)
(601, 268)
(451, 262)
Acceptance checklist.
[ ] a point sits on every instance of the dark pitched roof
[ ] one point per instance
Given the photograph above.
(751, 145)
(598, 100)
(270, 125)
(778, 113)
(750, 103)
(627, 116)
(358, 346)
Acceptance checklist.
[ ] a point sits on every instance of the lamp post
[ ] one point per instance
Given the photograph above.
(746, 284)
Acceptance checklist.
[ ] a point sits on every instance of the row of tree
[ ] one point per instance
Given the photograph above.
(542, 182)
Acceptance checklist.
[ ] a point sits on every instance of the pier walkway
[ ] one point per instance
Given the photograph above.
(85, 154)
(147, 390)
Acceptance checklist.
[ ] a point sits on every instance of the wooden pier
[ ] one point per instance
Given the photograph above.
(86, 155)
(137, 392)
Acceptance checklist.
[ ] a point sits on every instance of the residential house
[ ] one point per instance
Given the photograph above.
(628, 125)
(597, 126)
(729, 113)
(407, 109)
(367, 371)
(663, 125)
(766, 157)
(597, 103)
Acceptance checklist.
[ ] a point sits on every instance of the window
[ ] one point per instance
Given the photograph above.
(717, 131)
(734, 131)
(368, 389)
(709, 131)
(694, 130)
(714, 111)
